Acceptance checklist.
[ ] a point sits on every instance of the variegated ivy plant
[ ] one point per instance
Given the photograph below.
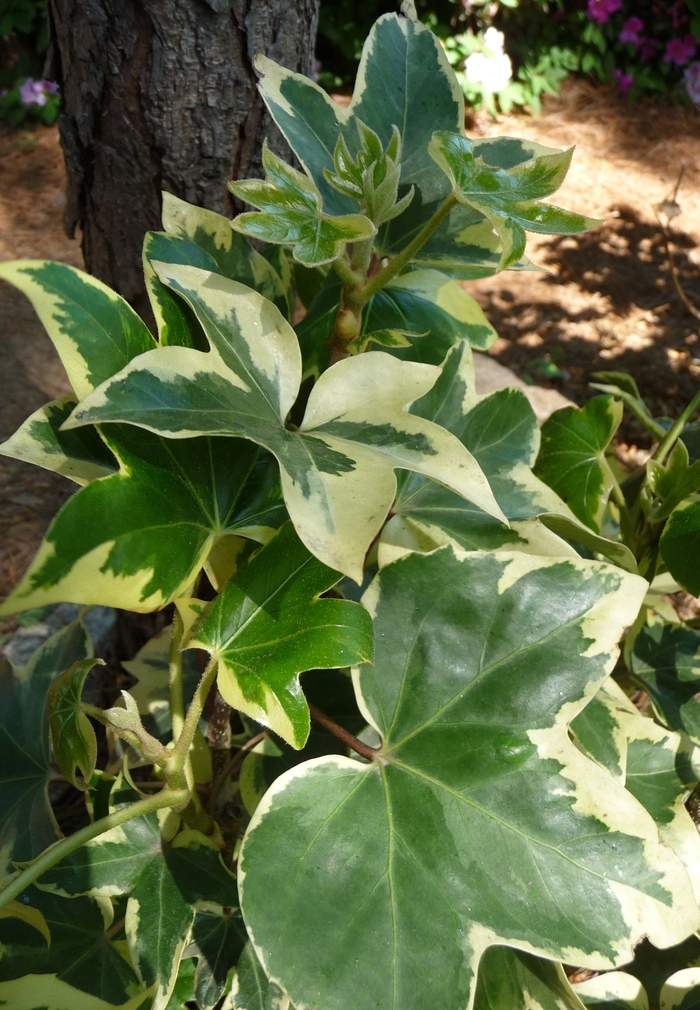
(478, 803)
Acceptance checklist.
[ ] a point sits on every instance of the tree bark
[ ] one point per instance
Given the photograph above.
(160, 95)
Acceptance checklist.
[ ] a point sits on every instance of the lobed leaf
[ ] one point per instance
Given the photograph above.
(481, 823)
(269, 625)
(72, 736)
(337, 468)
(252, 990)
(26, 819)
(217, 942)
(290, 213)
(572, 456)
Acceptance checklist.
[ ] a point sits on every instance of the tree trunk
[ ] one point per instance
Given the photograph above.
(160, 95)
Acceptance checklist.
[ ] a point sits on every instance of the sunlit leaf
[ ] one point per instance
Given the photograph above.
(269, 625)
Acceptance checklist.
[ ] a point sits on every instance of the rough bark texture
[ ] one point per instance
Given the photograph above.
(160, 95)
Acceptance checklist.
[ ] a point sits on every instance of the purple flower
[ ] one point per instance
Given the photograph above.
(679, 51)
(630, 31)
(692, 81)
(601, 10)
(649, 47)
(624, 80)
(33, 92)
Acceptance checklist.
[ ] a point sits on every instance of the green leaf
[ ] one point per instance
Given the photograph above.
(600, 732)
(572, 457)
(25, 814)
(252, 990)
(673, 482)
(681, 991)
(183, 990)
(94, 330)
(476, 805)
(269, 625)
(177, 324)
(235, 258)
(217, 942)
(138, 538)
(653, 967)
(509, 198)
(150, 667)
(666, 662)
(80, 954)
(80, 454)
(290, 213)
(680, 544)
(337, 468)
(72, 736)
(164, 881)
(32, 916)
(48, 992)
(513, 980)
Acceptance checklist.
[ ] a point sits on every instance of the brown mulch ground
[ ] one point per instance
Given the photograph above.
(607, 301)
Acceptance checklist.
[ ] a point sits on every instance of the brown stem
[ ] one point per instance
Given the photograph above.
(363, 749)
(231, 767)
(676, 279)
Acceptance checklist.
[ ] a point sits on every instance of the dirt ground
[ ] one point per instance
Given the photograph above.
(606, 302)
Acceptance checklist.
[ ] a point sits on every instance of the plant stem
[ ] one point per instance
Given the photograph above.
(626, 526)
(177, 697)
(363, 749)
(180, 751)
(58, 851)
(381, 279)
(231, 766)
(676, 429)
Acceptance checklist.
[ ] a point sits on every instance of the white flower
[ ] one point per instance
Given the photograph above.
(492, 74)
(494, 40)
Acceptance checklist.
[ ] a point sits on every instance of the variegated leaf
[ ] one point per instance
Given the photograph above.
(26, 819)
(138, 538)
(80, 455)
(459, 852)
(290, 213)
(666, 662)
(94, 330)
(269, 625)
(337, 468)
(513, 980)
(615, 990)
(681, 991)
(252, 990)
(217, 941)
(50, 993)
(164, 878)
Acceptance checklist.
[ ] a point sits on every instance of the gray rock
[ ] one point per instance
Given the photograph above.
(491, 376)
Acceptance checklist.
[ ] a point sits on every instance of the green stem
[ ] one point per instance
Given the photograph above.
(344, 270)
(676, 429)
(626, 527)
(58, 851)
(180, 752)
(390, 271)
(177, 697)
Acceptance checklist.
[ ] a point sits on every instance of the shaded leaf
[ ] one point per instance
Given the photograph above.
(475, 760)
(513, 980)
(25, 814)
(48, 992)
(80, 954)
(337, 468)
(217, 941)
(666, 662)
(681, 991)
(25, 913)
(572, 456)
(680, 544)
(252, 990)
(72, 736)
(269, 625)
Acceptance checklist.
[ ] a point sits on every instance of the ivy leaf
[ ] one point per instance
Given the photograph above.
(94, 330)
(337, 468)
(290, 213)
(600, 733)
(501, 432)
(48, 992)
(164, 881)
(513, 980)
(680, 544)
(681, 991)
(80, 454)
(252, 990)
(615, 990)
(269, 625)
(666, 662)
(407, 907)
(25, 813)
(217, 942)
(138, 538)
(72, 736)
(509, 198)
(32, 916)
(572, 457)
(80, 954)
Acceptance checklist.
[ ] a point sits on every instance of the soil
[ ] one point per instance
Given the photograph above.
(606, 300)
